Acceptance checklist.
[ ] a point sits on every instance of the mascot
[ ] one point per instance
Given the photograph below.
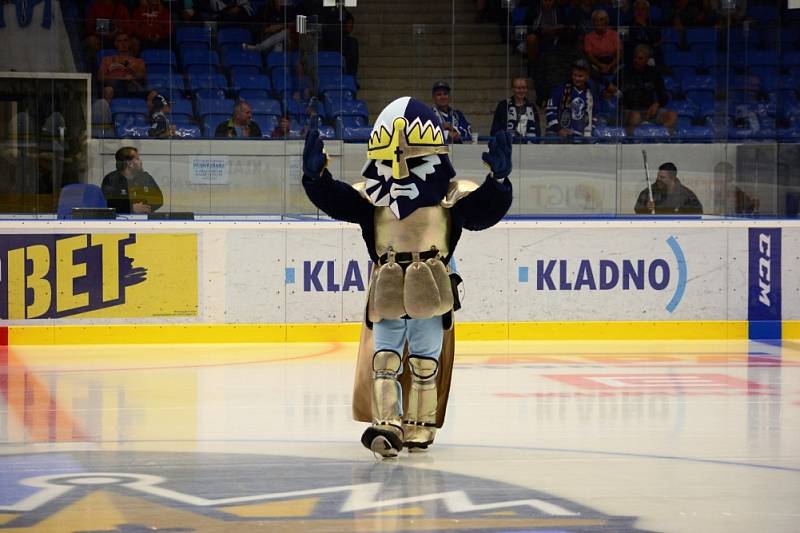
(411, 212)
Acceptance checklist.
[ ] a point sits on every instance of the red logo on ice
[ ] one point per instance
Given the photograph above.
(655, 382)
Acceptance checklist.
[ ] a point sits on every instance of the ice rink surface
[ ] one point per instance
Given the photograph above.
(680, 437)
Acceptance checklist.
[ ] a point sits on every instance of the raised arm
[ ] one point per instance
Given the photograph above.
(335, 198)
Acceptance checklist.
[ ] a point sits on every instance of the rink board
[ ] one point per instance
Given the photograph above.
(110, 281)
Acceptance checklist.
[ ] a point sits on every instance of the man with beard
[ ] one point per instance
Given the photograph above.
(130, 189)
(670, 196)
(411, 215)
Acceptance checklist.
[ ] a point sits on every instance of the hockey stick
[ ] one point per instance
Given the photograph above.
(649, 186)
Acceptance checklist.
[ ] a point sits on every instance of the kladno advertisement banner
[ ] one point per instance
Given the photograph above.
(100, 275)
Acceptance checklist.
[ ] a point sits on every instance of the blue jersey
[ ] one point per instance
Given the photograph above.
(455, 118)
(572, 109)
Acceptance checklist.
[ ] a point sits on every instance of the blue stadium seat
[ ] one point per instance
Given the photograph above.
(698, 82)
(695, 133)
(250, 86)
(760, 58)
(210, 107)
(355, 133)
(159, 68)
(158, 56)
(766, 15)
(180, 106)
(327, 132)
(234, 35)
(165, 83)
(208, 85)
(267, 123)
(281, 59)
(335, 95)
(187, 131)
(195, 34)
(683, 59)
(701, 35)
(769, 77)
(330, 59)
(265, 107)
(702, 98)
(129, 105)
(610, 133)
(103, 53)
(79, 195)
(337, 83)
(790, 60)
(132, 131)
(651, 132)
(684, 108)
(236, 57)
(207, 59)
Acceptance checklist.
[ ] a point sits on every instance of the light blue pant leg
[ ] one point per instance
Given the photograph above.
(424, 336)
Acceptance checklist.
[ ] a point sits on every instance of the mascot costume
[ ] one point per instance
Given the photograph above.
(411, 214)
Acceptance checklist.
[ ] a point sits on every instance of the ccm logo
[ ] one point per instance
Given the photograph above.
(765, 252)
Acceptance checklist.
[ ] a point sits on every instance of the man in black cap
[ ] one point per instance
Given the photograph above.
(456, 126)
(570, 109)
(670, 196)
(160, 126)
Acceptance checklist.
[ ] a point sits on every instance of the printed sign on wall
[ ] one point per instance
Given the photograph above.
(108, 275)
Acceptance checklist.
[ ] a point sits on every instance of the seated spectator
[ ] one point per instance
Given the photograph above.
(602, 46)
(283, 129)
(151, 23)
(240, 11)
(670, 196)
(517, 114)
(736, 201)
(455, 125)
(160, 128)
(241, 124)
(101, 108)
(642, 32)
(545, 28)
(349, 46)
(114, 17)
(122, 71)
(130, 189)
(279, 28)
(689, 13)
(570, 109)
(580, 17)
(643, 94)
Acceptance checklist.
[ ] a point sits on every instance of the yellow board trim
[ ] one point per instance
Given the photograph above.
(349, 332)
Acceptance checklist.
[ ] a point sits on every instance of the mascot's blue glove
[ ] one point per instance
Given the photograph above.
(498, 158)
(314, 158)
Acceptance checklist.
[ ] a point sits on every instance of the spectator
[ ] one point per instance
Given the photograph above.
(151, 23)
(123, 72)
(517, 114)
(101, 108)
(643, 93)
(642, 32)
(736, 201)
(570, 109)
(349, 46)
(241, 124)
(104, 20)
(580, 17)
(160, 128)
(670, 196)
(278, 33)
(227, 11)
(602, 45)
(687, 13)
(545, 28)
(283, 129)
(456, 127)
(130, 189)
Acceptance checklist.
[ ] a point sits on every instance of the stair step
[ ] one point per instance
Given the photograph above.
(475, 55)
(479, 72)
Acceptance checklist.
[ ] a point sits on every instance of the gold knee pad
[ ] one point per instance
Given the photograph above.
(419, 424)
(387, 397)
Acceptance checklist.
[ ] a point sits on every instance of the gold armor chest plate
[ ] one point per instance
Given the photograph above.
(425, 227)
